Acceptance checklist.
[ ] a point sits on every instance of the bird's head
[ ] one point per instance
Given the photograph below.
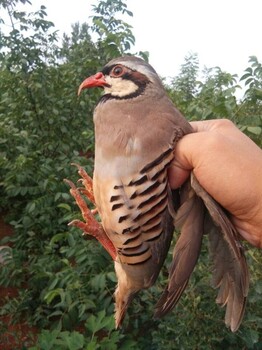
(124, 77)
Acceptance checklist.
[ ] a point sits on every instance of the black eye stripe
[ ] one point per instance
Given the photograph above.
(140, 79)
(130, 74)
(107, 69)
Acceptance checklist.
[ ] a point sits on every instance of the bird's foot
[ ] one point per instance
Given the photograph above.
(87, 181)
(90, 226)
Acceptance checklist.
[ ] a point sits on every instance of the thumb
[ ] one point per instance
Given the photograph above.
(181, 165)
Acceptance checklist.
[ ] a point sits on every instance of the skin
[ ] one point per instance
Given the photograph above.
(229, 166)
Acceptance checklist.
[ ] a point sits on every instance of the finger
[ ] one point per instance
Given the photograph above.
(177, 175)
(207, 125)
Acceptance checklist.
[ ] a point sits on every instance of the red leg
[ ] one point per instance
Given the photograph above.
(90, 226)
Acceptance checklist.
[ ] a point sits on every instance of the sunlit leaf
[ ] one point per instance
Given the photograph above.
(256, 130)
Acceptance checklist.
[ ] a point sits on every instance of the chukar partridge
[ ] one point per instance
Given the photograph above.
(136, 130)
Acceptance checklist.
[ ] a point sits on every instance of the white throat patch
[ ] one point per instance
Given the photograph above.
(120, 87)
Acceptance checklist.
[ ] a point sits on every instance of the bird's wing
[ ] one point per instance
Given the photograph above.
(230, 273)
(189, 218)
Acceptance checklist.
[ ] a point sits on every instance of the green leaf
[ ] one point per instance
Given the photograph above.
(256, 130)
(46, 339)
(249, 70)
(58, 237)
(112, 276)
(54, 283)
(27, 221)
(64, 206)
(96, 323)
(245, 76)
(74, 340)
(248, 81)
(71, 240)
(92, 345)
(31, 207)
(50, 296)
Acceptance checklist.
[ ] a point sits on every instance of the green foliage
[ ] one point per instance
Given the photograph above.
(99, 334)
(114, 35)
(214, 96)
(251, 118)
(210, 98)
(65, 283)
(253, 80)
(185, 85)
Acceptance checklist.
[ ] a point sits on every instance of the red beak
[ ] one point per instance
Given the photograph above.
(95, 80)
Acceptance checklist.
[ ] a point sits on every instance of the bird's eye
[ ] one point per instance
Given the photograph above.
(117, 71)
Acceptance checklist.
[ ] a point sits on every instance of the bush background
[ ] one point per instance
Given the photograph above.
(65, 284)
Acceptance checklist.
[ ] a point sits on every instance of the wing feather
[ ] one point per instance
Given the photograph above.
(190, 218)
(198, 214)
(230, 271)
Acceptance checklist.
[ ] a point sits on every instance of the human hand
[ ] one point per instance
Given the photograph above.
(228, 165)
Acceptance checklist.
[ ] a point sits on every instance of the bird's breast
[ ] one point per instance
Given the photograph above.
(131, 194)
(133, 150)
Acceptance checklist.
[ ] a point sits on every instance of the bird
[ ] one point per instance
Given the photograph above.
(137, 128)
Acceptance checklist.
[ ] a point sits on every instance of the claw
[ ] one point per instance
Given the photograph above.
(70, 183)
(94, 211)
(87, 182)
